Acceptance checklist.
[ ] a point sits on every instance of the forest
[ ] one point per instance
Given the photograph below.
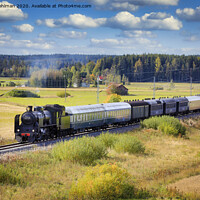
(59, 70)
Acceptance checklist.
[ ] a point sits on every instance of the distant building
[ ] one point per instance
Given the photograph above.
(100, 78)
(75, 85)
(120, 89)
(85, 85)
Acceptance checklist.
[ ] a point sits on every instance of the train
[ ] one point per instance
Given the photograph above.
(53, 121)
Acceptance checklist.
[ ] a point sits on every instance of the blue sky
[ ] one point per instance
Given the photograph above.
(100, 27)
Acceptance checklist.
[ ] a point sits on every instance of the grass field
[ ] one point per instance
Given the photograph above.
(18, 81)
(84, 96)
(166, 160)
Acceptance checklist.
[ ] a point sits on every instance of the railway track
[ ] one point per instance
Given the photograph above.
(28, 146)
(16, 147)
(13, 147)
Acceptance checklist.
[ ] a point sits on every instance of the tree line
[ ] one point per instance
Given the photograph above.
(118, 69)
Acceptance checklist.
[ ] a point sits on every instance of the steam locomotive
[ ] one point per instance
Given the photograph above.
(52, 121)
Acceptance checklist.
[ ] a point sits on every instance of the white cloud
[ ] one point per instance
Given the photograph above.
(124, 46)
(107, 42)
(123, 6)
(190, 37)
(46, 22)
(157, 21)
(4, 37)
(24, 28)
(71, 34)
(9, 12)
(8, 43)
(129, 5)
(189, 14)
(75, 20)
(137, 34)
(63, 34)
(156, 2)
(123, 20)
(123, 43)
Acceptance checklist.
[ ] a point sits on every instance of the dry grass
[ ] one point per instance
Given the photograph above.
(163, 157)
(166, 160)
(7, 114)
(187, 186)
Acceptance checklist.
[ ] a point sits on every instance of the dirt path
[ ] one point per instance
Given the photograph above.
(188, 185)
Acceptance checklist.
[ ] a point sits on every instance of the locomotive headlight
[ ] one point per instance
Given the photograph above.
(33, 130)
(18, 130)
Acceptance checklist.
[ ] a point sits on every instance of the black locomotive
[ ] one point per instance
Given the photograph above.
(53, 121)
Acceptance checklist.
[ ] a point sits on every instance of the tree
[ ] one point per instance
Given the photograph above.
(158, 67)
(138, 70)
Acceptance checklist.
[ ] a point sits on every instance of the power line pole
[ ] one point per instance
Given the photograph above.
(190, 86)
(191, 82)
(154, 86)
(97, 89)
(65, 86)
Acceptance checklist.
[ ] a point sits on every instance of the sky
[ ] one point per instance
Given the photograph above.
(111, 27)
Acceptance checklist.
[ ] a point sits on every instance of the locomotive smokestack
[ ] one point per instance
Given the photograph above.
(29, 109)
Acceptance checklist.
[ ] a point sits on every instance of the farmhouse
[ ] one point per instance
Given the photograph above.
(119, 88)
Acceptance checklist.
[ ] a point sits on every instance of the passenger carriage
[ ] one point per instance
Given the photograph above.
(139, 110)
(169, 106)
(155, 107)
(194, 103)
(182, 104)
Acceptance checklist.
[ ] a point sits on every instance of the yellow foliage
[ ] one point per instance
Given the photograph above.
(103, 182)
(113, 98)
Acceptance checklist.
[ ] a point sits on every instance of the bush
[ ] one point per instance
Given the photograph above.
(159, 88)
(166, 124)
(107, 139)
(11, 84)
(8, 176)
(103, 182)
(62, 94)
(152, 122)
(113, 98)
(129, 144)
(85, 150)
(22, 93)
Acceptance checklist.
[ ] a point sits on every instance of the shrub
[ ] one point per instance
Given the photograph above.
(159, 88)
(113, 98)
(85, 150)
(8, 176)
(11, 84)
(103, 182)
(129, 144)
(152, 122)
(107, 139)
(22, 93)
(166, 124)
(62, 94)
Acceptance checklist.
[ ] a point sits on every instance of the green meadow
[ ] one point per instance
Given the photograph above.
(84, 96)
(10, 106)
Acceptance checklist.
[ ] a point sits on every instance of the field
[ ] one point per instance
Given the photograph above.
(167, 160)
(156, 174)
(18, 81)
